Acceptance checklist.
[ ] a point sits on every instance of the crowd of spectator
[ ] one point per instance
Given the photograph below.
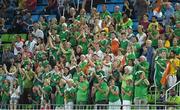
(90, 59)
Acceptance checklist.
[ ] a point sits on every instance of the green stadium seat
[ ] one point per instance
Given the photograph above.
(4, 38)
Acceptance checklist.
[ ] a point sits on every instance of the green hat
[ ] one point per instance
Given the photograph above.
(163, 50)
(131, 56)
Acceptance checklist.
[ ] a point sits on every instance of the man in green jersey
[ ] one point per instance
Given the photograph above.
(114, 99)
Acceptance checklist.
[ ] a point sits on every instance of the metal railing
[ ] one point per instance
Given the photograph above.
(176, 87)
(87, 107)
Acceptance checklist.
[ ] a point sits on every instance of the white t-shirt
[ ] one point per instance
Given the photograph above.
(18, 45)
(15, 93)
(100, 54)
(141, 38)
(38, 33)
(31, 45)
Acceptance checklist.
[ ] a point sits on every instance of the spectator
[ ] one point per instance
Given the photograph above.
(105, 12)
(128, 8)
(30, 4)
(176, 13)
(140, 8)
(145, 22)
(37, 33)
(141, 85)
(174, 66)
(117, 15)
(169, 13)
(18, 45)
(52, 7)
(114, 99)
(173, 99)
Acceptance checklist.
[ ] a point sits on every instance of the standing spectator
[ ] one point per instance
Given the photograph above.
(174, 67)
(59, 94)
(128, 8)
(18, 45)
(127, 94)
(82, 92)
(15, 91)
(140, 8)
(7, 57)
(30, 43)
(117, 15)
(169, 13)
(37, 33)
(145, 22)
(70, 93)
(114, 99)
(52, 7)
(141, 35)
(100, 90)
(105, 12)
(177, 12)
(141, 89)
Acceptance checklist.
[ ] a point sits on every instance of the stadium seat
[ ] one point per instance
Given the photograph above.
(38, 10)
(35, 18)
(110, 7)
(4, 38)
(7, 45)
(135, 25)
(49, 17)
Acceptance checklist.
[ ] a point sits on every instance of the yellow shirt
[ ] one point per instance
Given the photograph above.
(174, 63)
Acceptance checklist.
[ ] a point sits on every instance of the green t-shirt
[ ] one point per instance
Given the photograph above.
(126, 77)
(47, 89)
(113, 97)
(123, 45)
(55, 79)
(127, 89)
(82, 93)
(28, 83)
(84, 46)
(101, 96)
(127, 24)
(175, 99)
(5, 93)
(68, 55)
(104, 14)
(59, 98)
(141, 90)
(63, 35)
(70, 94)
(117, 16)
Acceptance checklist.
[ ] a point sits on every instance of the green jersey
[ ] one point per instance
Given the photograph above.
(117, 16)
(127, 89)
(83, 90)
(59, 97)
(102, 95)
(104, 14)
(113, 97)
(70, 93)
